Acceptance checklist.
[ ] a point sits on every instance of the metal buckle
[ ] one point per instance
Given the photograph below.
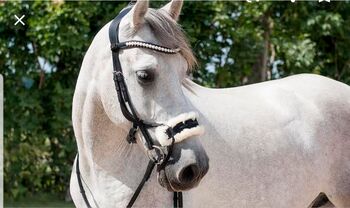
(156, 154)
(117, 75)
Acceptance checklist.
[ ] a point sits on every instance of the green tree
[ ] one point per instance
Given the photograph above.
(40, 63)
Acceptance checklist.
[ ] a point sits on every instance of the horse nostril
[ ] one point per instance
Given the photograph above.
(189, 174)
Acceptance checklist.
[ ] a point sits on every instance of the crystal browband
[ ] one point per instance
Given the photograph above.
(141, 44)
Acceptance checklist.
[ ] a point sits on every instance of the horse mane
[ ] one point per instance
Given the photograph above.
(169, 34)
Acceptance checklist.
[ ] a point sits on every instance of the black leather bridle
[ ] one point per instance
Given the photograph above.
(158, 155)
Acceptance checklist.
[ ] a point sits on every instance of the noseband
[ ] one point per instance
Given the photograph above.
(159, 155)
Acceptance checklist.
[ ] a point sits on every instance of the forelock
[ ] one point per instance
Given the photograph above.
(169, 34)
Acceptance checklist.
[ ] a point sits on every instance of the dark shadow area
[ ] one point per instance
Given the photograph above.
(321, 201)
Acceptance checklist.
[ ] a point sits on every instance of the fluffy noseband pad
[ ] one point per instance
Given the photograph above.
(181, 127)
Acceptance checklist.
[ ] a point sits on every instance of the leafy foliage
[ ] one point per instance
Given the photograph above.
(40, 63)
(236, 43)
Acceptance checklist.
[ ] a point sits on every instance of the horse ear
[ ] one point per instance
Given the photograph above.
(173, 8)
(138, 12)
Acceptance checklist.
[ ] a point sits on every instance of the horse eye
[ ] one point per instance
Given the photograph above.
(145, 76)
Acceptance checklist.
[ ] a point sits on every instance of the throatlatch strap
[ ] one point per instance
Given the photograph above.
(82, 190)
(145, 178)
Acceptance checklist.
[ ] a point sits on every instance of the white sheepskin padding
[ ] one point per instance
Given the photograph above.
(164, 139)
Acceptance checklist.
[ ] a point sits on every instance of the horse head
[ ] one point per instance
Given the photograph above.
(153, 69)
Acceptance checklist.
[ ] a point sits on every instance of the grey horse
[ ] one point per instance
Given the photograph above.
(273, 144)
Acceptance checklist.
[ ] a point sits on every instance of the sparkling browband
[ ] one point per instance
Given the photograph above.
(141, 44)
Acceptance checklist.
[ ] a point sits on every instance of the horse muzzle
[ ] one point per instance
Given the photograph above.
(184, 170)
(188, 162)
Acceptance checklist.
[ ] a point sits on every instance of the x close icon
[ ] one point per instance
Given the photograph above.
(19, 20)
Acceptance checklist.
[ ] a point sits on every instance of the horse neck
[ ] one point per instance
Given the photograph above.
(105, 144)
(211, 105)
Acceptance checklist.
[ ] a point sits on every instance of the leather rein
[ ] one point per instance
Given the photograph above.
(158, 155)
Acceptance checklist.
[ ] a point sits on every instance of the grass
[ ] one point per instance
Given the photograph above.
(42, 200)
